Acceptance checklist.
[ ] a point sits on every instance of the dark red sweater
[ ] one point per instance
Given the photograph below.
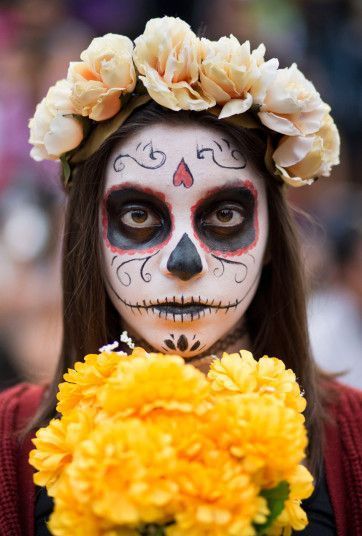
(343, 461)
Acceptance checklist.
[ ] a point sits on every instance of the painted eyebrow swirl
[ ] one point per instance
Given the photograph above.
(146, 157)
(219, 156)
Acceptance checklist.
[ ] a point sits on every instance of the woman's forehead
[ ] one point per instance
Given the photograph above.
(182, 158)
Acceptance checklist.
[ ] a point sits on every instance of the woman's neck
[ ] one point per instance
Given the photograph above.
(229, 345)
(233, 341)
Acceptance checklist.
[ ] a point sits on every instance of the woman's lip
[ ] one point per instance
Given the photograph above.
(184, 307)
(179, 308)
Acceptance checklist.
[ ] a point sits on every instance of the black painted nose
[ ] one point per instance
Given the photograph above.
(184, 261)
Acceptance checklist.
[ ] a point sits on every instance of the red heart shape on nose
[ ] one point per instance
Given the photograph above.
(183, 175)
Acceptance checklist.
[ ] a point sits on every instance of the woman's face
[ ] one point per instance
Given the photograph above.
(184, 227)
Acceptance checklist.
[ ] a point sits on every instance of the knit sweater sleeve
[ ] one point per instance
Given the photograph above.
(17, 405)
(343, 458)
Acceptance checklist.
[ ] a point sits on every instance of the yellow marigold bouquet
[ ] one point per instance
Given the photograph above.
(147, 444)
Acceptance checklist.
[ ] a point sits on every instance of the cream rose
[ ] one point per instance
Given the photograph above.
(292, 105)
(234, 76)
(53, 130)
(299, 159)
(168, 56)
(106, 72)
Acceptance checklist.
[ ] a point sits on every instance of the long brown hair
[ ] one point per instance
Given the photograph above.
(276, 317)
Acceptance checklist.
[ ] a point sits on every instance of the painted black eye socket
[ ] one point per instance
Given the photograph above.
(226, 221)
(136, 219)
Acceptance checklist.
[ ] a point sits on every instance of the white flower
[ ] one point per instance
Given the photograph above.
(300, 159)
(127, 340)
(234, 76)
(106, 72)
(53, 129)
(109, 347)
(167, 56)
(292, 105)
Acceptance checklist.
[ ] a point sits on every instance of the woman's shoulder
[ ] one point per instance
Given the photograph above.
(343, 456)
(344, 401)
(17, 405)
(344, 416)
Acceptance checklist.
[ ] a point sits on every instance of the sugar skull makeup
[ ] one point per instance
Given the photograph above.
(184, 227)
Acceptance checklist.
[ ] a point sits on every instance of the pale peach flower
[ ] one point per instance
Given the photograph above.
(168, 56)
(53, 129)
(299, 159)
(106, 72)
(234, 76)
(292, 106)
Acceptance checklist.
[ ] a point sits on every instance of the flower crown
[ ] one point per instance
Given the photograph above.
(171, 65)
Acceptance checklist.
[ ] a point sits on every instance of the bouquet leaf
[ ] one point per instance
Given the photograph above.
(66, 168)
(275, 497)
(152, 529)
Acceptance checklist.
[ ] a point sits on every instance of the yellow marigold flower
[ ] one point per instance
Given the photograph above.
(52, 453)
(271, 374)
(83, 382)
(138, 352)
(134, 458)
(228, 508)
(157, 381)
(73, 517)
(147, 438)
(220, 518)
(55, 446)
(293, 516)
(231, 506)
(236, 373)
(267, 437)
(233, 373)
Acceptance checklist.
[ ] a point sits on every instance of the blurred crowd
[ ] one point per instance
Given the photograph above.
(38, 38)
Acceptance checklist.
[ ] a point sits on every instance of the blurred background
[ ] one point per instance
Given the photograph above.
(38, 38)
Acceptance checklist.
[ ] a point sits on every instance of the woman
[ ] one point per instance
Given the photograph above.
(178, 231)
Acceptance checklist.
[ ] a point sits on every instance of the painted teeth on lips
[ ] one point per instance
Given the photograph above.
(181, 305)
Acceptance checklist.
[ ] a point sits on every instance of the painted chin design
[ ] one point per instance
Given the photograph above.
(182, 309)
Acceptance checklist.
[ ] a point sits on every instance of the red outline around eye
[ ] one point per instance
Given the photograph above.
(246, 184)
(149, 191)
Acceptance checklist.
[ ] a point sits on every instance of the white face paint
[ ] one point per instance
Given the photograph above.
(184, 230)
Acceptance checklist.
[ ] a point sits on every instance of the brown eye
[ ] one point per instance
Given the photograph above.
(139, 218)
(225, 217)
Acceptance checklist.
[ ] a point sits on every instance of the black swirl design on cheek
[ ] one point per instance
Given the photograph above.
(240, 275)
(220, 155)
(123, 275)
(146, 157)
